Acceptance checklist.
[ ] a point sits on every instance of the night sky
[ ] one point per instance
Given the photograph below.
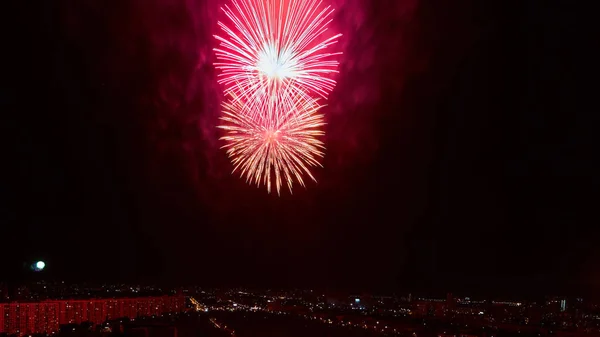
(460, 151)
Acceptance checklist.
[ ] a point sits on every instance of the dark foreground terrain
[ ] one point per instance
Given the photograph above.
(260, 324)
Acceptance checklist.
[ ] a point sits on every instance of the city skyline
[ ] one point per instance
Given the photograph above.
(50, 308)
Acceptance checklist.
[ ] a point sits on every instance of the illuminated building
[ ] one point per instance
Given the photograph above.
(47, 316)
(22, 318)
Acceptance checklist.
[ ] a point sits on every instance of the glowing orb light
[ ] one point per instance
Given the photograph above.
(39, 266)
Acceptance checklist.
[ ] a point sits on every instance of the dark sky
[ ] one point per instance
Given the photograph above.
(460, 151)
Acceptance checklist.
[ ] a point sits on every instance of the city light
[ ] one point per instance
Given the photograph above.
(392, 316)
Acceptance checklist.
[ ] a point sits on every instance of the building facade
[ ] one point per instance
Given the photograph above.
(47, 316)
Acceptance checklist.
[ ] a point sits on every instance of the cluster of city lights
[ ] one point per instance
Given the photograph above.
(393, 315)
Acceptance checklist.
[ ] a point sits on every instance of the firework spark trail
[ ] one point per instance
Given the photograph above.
(275, 51)
(283, 144)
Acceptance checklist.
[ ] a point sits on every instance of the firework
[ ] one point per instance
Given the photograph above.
(272, 146)
(274, 51)
(274, 65)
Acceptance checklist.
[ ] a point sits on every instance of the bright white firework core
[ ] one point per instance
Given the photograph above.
(271, 136)
(40, 265)
(276, 64)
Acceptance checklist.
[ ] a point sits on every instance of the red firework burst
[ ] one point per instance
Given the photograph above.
(272, 148)
(275, 50)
